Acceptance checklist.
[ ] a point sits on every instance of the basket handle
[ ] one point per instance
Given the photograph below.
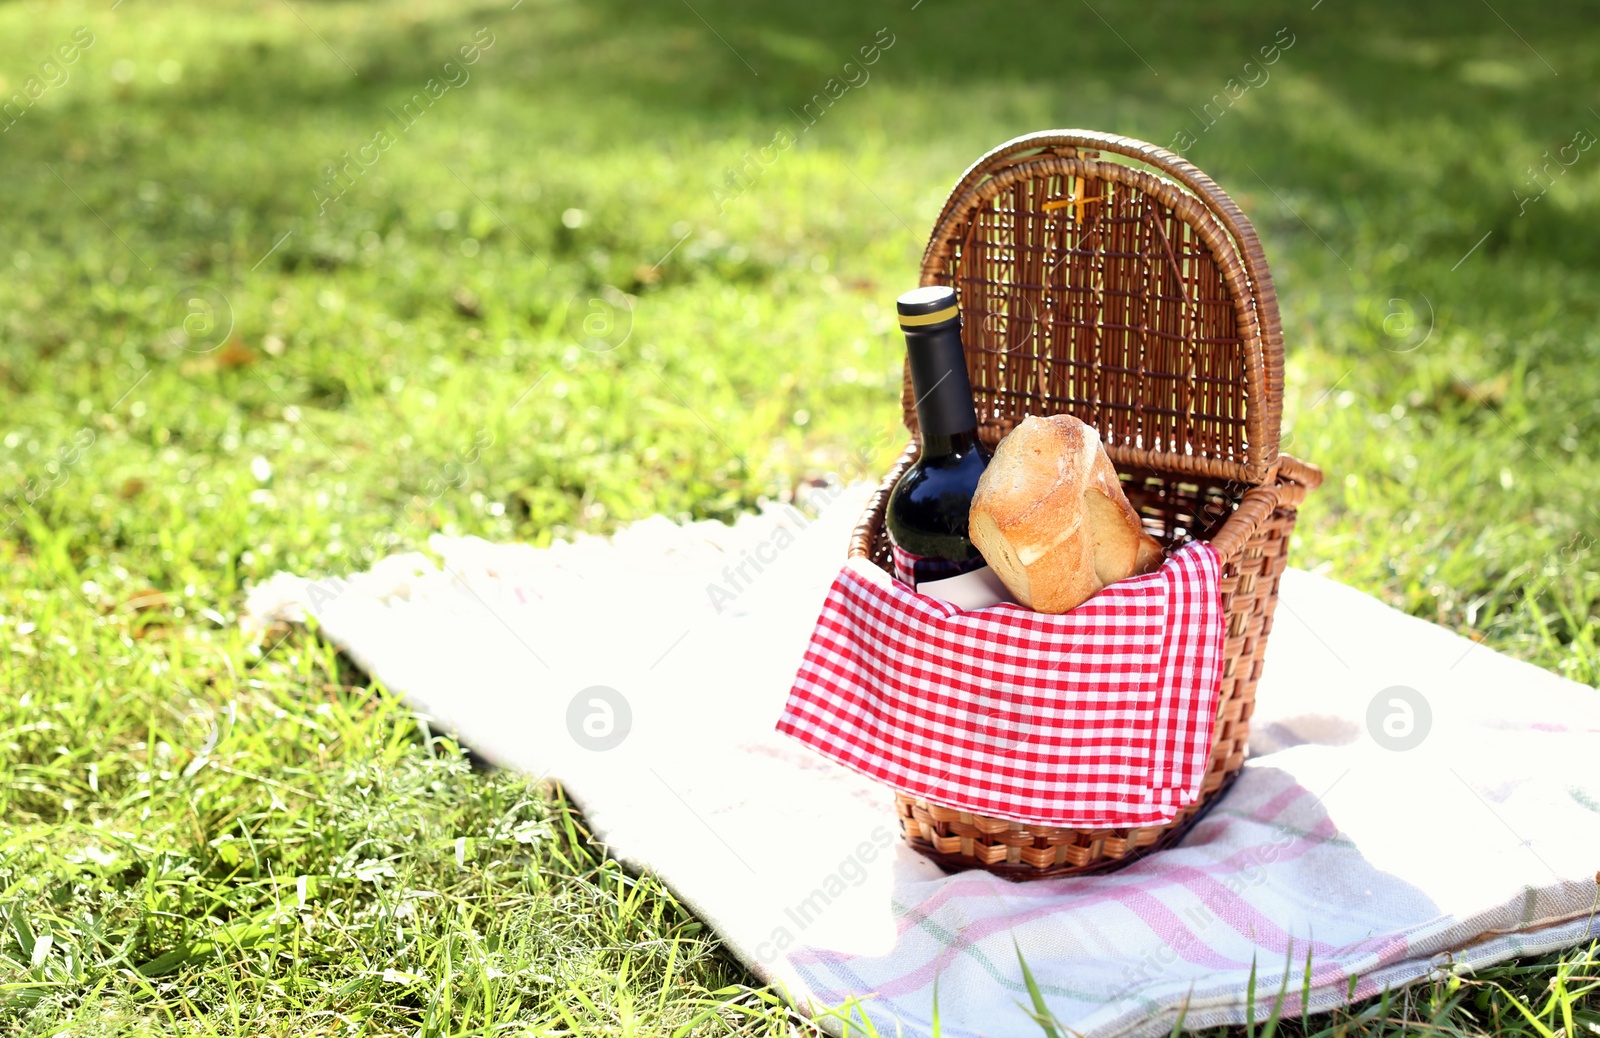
(1253, 509)
(1295, 479)
(1264, 350)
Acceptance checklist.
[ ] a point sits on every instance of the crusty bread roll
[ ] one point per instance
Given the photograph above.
(1050, 517)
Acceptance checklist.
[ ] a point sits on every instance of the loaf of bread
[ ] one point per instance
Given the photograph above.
(1050, 517)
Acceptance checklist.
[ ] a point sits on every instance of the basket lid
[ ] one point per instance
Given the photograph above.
(1109, 278)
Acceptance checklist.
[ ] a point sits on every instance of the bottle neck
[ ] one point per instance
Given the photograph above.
(947, 422)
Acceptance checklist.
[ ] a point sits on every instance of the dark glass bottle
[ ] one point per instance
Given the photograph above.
(927, 511)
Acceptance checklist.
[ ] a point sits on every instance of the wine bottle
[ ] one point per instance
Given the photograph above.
(927, 510)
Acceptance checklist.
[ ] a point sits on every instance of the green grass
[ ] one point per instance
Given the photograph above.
(407, 361)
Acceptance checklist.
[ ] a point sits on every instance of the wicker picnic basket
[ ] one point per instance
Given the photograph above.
(1110, 279)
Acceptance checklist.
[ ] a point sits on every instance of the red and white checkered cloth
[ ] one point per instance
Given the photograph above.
(1097, 718)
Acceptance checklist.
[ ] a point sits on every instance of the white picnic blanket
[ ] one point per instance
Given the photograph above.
(1413, 803)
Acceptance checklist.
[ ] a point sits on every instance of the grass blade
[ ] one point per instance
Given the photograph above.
(1041, 1011)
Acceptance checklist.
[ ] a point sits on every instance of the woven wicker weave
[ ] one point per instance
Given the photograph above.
(1109, 279)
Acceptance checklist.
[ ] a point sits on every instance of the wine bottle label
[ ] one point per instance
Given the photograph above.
(921, 569)
(978, 589)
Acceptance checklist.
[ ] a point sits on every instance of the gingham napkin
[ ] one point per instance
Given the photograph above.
(1096, 718)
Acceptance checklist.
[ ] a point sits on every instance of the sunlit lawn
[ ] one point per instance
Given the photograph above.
(203, 834)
